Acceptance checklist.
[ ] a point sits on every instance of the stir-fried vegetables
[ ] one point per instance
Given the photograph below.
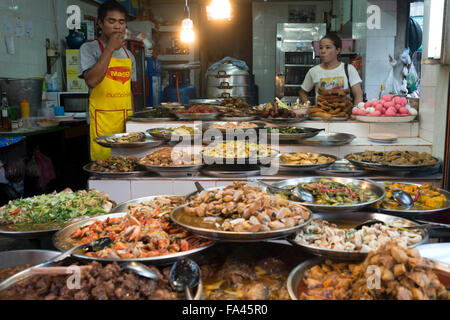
(56, 207)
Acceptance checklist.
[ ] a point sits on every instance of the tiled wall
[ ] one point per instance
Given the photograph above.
(29, 59)
(266, 16)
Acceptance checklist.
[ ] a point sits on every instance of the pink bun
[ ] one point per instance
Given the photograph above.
(388, 105)
(404, 101)
(367, 105)
(387, 97)
(376, 113)
(398, 100)
(403, 110)
(398, 107)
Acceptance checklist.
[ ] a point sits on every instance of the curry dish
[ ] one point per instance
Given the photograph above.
(305, 158)
(402, 158)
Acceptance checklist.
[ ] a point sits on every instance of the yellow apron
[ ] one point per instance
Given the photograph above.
(110, 104)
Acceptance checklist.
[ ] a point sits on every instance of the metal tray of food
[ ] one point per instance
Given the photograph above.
(6, 232)
(329, 140)
(174, 171)
(62, 242)
(342, 168)
(139, 173)
(381, 166)
(258, 125)
(283, 120)
(197, 116)
(194, 102)
(307, 167)
(239, 119)
(295, 137)
(146, 141)
(364, 184)
(143, 116)
(415, 213)
(231, 172)
(253, 160)
(331, 119)
(352, 219)
(156, 133)
(123, 206)
(19, 258)
(189, 223)
(296, 276)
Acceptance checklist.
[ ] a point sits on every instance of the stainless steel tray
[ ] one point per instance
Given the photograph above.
(19, 258)
(356, 218)
(415, 213)
(32, 234)
(197, 116)
(342, 168)
(231, 172)
(309, 167)
(296, 137)
(194, 102)
(123, 206)
(61, 237)
(139, 173)
(239, 119)
(207, 126)
(173, 136)
(380, 166)
(367, 185)
(333, 139)
(180, 217)
(175, 171)
(253, 160)
(332, 119)
(146, 142)
(283, 120)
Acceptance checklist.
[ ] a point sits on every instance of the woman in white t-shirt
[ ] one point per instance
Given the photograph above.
(330, 74)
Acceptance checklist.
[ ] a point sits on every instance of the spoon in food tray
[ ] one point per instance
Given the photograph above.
(403, 198)
(140, 269)
(184, 275)
(96, 245)
(298, 192)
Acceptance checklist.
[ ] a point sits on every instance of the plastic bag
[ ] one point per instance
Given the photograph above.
(390, 85)
(412, 78)
(45, 166)
(51, 82)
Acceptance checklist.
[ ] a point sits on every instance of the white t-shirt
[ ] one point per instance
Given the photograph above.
(330, 79)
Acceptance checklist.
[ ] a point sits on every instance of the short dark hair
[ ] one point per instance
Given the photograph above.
(107, 6)
(337, 41)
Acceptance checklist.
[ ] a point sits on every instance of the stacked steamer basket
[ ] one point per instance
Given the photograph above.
(227, 81)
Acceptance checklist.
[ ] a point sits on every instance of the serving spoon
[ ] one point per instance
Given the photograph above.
(140, 269)
(96, 245)
(403, 198)
(184, 275)
(298, 192)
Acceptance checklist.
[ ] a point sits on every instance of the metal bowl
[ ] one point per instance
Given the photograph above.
(61, 241)
(138, 173)
(143, 117)
(174, 171)
(147, 141)
(283, 120)
(415, 213)
(352, 218)
(199, 228)
(386, 167)
(172, 136)
(197, 116)
(308, 167)
(296, 137)
(239, 119)
(342, 168)
(364, 184)
(330, 140)
(258, 125)
(296, 275)
(25, 257)
(123, 206)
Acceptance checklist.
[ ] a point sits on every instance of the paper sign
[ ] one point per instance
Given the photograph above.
(20, 28)
(7, 25)
(29, 29)
(10, 47)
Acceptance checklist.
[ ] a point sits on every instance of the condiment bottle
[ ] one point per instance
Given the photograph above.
(25, 108)
(6, 123)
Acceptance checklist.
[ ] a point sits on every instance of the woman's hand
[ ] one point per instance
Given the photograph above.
(304, 96)
(357, 94)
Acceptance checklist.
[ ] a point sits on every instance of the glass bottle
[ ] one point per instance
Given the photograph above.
(6, 121)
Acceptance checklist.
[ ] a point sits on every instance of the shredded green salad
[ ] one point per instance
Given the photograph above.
(56, 207)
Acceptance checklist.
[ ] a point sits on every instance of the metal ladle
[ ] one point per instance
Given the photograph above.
(298, 192)
(96, 245)
(184, 275)
(140, 269)
(403, 198)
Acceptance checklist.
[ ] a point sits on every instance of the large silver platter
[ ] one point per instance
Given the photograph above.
(415, 213)
(194, 102)
(253, 160)
(332, 119)
(366, 185)
(61, 242)
(296, 137)
(386, 167)
(283, 120)
(197, 116)
(173, 135)
(146, 142)
(353, 219)
(123, 206)
(342, 168)
(231, 172)
(20, 258)
(174, 171)
(207, 126)
(139, 173)
(308, 167)
(330, 140)
(239, 119)
(32, 234)
(143, 117)
(196, 226)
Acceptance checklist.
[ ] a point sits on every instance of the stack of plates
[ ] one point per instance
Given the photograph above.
(383, 137)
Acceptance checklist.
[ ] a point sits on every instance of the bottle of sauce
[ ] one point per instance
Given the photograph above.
(6, 121)
(25, 108)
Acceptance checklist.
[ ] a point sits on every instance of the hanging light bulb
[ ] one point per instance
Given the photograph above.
(219, 9)
(187, 28)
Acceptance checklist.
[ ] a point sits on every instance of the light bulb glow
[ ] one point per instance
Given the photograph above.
(187, 31)
(436, 29)
(219, 9)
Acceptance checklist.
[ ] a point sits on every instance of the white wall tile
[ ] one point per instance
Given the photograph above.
(426, 134)
(182, 188)
(430, 74)
(379, 48)
(118, 190)
(377, 71)
(361, 130)
(402, 130)
(144, 188)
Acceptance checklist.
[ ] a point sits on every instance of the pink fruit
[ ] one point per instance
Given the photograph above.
(398, 107)
(404, 101)
(383, 111)
(367, 105)
(379, 107)
(398, 100)
(403, 110)
(391, 110)
(388, 105)
(376, 113)
(387, 97)
(390, 114)
(373, 103)
(362, 113)
(356, 111)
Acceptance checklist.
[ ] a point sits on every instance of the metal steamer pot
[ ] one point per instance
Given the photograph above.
(19, 89)
(227, 81)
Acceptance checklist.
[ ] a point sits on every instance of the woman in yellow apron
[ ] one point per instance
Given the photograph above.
(110, 104)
